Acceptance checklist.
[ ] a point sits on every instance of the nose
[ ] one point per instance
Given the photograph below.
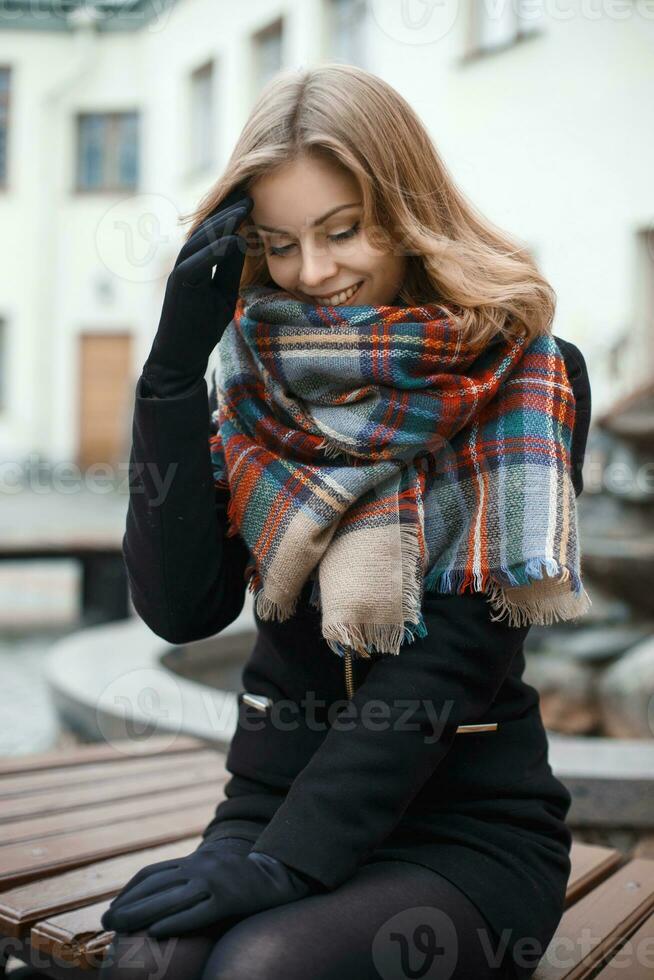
(317, 266)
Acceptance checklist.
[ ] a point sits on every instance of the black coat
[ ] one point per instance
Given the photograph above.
(324, 793)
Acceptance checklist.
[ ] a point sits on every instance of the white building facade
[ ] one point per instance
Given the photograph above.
(113, 122)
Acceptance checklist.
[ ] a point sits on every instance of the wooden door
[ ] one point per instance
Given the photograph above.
(105, 396)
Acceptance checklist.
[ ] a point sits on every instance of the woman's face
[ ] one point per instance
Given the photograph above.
(308, 214)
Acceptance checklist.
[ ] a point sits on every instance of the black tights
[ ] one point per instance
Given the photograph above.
(392, 920)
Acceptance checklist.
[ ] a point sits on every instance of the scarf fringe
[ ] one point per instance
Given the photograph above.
(329, 448)
(267, 608)
(532, 609)
(528, 593)
(360, 638)
(366, 638)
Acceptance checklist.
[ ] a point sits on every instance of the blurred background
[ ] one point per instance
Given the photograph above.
(115, 117)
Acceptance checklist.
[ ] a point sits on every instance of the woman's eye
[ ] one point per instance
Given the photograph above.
(340, 237)
(343, 235)
(279, 250)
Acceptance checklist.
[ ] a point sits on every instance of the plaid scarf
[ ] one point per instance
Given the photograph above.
(371, 449)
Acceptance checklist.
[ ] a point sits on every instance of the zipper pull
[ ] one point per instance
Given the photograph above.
(349, 678)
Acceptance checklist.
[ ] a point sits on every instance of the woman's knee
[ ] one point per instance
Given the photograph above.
(259, 947)
(137, 956)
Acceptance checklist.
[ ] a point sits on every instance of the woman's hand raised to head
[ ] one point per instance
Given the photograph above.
(197, 305)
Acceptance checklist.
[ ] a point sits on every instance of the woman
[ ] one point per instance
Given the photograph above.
(390, 395)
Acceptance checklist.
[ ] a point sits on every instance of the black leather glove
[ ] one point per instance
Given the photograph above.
(198, 307)
(219, 879)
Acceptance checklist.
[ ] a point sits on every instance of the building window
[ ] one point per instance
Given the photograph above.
(202, 121)
(496, 24)
(107, 151)
(4, 123)
(346, 22)
(267, 46)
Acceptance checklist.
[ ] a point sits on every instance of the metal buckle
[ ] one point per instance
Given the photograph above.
(489, 726)
(258, 701)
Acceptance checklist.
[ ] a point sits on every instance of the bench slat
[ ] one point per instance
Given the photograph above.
(208, 771)
(591, 863)
(153, 745)
(638, 953)
(25, 862)
(133, 769)
(594, 925)
(162, 801)
(67, 936)
(24, 905)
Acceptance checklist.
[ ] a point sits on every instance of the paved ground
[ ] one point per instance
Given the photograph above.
(38, 605)
(29, 723)
(39, 602)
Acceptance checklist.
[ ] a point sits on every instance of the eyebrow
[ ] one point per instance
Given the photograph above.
(318, 221)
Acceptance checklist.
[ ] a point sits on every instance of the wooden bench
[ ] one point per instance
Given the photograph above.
(77, 824)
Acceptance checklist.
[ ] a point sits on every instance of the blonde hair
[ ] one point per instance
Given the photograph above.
(456, 258)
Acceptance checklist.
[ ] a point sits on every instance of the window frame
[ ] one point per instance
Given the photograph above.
(111, 118)
(359, 16)
(195, 165)
(276, 27)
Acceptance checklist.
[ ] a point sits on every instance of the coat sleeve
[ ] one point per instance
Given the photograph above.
(186, 577)
(580, 381)
(577, 371)
(358, 783)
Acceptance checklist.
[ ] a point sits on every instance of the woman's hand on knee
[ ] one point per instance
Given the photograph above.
(221, 878)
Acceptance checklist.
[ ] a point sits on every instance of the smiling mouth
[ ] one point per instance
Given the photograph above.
(337, 299)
